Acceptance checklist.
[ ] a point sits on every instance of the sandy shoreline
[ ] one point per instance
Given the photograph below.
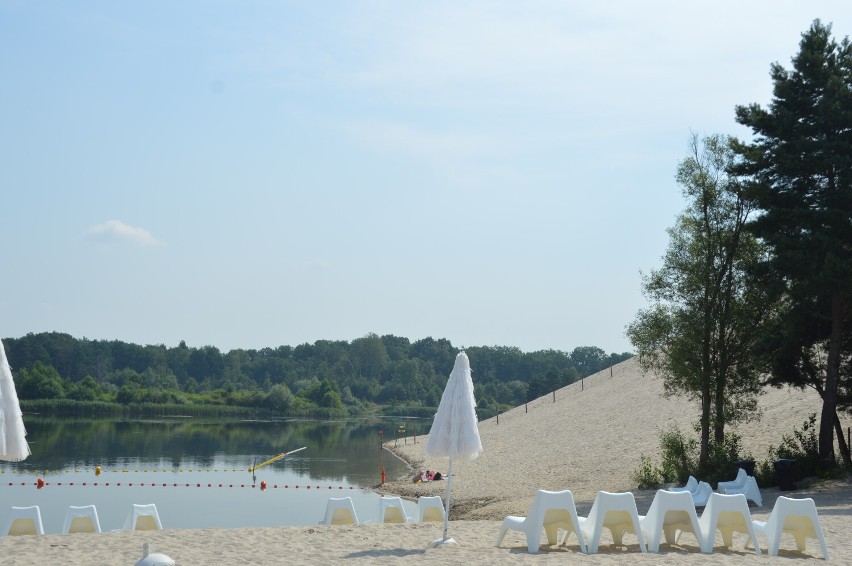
(590, 438)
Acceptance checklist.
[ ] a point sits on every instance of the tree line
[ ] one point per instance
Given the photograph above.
(324, 378)
(755, 288)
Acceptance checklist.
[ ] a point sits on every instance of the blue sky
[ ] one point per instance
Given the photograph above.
(246, 174)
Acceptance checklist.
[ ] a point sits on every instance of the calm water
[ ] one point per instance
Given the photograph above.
(196, 470)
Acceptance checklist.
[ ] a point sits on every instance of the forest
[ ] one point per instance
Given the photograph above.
(58, 373)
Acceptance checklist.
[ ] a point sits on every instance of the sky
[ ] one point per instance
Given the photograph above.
(251, 174)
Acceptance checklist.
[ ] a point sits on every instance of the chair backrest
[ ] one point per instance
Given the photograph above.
(552, 507)
(391, 510)
(143, 518)
(431, 508)
(674, 507)
(691, 485)
(729, 510)
(702, 494)
(82, 519)
(736, 483)
(340, 511)
(796, 514)
(24, 521)
(613, 506)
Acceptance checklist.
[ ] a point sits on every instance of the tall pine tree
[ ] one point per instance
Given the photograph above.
(800, 165)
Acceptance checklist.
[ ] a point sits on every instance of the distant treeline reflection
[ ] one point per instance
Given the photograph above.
(61, 443)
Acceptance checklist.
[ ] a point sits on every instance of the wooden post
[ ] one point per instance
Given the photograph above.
(610, 371)
(498, 418)
(526, 407)
(554, 395)
(582, 384)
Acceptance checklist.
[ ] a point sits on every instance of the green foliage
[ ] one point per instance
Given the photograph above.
(326, 377)
(680, 456)
(648, 476)
(41, 382)
(704, 313)
(680, 459)
(803, 447)
(798, 171)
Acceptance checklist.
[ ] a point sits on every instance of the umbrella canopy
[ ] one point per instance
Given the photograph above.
(13, 441)
(455, 432)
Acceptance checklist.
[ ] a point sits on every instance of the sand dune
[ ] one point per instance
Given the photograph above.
(589, 439)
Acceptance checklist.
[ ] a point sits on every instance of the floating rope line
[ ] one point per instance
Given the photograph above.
(196, 485)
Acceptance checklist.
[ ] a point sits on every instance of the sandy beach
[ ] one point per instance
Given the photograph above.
(587, 437)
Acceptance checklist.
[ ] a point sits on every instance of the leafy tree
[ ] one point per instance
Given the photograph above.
(588, 359)
(705, 313)
(279, 398)
(369, 356)
(40, 382)
(86, 389)
(800, 166)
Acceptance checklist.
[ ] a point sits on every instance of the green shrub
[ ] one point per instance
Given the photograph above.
(803, 447)
(680, 456)
(648, 476)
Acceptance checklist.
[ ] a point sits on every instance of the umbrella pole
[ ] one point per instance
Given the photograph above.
(449, 490)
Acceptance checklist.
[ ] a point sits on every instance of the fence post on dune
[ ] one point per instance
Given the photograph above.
(526, 407)
(554, 395)
(498, 418)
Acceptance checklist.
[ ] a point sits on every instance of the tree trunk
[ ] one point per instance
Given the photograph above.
(841, 441)
(829, 398)
(719, 421)
(704, 455)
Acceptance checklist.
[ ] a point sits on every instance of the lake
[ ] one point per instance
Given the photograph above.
(196, 470)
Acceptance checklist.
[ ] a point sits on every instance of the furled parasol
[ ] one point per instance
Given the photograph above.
(13, 441)
(455, 432)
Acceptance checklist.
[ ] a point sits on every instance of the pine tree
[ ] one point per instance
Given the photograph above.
(800, 167)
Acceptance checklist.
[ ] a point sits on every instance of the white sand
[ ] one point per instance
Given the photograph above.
(590, 439)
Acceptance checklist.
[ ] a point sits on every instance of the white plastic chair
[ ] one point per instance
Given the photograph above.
(691, 485)
(340, 511)
(616, 512)
(736, 483)
(550, 511)
(672, 513)
(81, 520)
(701, 494)
(726, 514)
(699, 490)
(797, 517)
(24, 521)
(750, 490)
(391, 510)
(430, 508)
(143, 518)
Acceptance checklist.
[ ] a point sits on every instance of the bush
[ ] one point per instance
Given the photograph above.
(803, 447)
(648, 476)
(680, 455)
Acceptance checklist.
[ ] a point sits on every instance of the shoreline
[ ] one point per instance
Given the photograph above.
(587, 437)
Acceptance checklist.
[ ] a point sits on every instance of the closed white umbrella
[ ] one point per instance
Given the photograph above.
(455, 431)
(13, 435)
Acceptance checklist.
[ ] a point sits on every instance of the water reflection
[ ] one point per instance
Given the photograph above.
(341, 457)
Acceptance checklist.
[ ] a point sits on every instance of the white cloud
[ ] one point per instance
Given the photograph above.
(117, 232)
